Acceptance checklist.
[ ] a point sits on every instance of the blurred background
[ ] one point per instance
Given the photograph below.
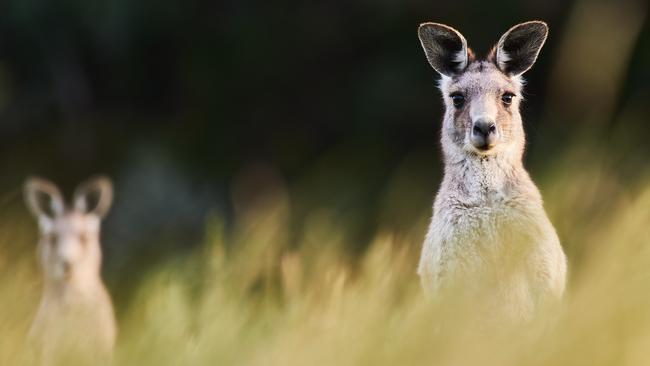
(206, 110)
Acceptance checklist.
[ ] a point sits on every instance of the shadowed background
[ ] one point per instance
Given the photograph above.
(204, 109)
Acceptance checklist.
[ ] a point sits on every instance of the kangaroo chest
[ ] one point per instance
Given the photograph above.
(485, 228)
(73, 322)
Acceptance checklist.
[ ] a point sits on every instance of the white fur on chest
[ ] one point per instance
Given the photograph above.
(71, 321)
(472, 231)
(492, 233)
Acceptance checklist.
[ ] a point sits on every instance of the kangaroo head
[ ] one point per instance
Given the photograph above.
(482, 96)
(69, 249)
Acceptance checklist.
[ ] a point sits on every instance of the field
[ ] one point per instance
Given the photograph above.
(247, 297)
(275, 164)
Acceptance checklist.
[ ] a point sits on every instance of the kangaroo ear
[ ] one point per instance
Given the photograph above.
(518, 48)
(445, 47)
(94, 196)
(43, 198)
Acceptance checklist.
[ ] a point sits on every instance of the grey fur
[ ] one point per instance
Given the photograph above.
(489, 232)
(75, 318)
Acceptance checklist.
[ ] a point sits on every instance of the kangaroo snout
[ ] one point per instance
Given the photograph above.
(484, 134)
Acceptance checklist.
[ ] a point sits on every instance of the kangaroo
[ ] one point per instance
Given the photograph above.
(75, 318)
(489, 232)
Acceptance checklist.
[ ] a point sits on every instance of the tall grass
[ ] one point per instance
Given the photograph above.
(246, 297)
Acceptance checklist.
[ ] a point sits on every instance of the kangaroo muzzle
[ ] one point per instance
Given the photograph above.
(484, 134)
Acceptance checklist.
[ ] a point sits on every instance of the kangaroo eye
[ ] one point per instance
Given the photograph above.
(506, 98)
(458, 100)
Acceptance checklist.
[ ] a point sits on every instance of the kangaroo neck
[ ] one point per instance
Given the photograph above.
(477, 174)
(87, 286)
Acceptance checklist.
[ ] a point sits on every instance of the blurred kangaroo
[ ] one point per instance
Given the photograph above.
(489, 233)
(75, 320)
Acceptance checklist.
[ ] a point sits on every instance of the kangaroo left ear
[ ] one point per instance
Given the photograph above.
(94, 196)
(518, 48)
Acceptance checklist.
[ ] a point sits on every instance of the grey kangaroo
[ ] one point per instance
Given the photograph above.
(75, 319)
(489, 232)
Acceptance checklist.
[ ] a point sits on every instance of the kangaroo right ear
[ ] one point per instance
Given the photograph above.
(43, 198)
(445, 47)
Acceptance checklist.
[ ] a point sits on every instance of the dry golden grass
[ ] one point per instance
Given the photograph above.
(257, 302)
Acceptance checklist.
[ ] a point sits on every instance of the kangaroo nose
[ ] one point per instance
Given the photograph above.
(484, 128)
(484, 134)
